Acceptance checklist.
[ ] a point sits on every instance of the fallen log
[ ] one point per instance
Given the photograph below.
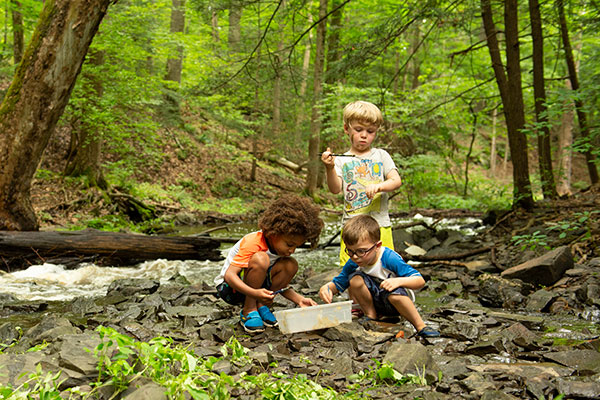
(19, 250)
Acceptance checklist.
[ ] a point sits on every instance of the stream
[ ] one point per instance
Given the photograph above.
(50, 282)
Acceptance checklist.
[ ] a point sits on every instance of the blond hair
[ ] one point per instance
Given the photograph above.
(360, 227)
(362, 111)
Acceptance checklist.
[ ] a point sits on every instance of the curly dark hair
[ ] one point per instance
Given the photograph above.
(292, 215)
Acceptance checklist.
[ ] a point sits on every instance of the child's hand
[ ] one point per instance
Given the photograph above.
(306, 302)
(372, 190)
(325, 293)
(327, 158)
(264, 296)
(391, 284)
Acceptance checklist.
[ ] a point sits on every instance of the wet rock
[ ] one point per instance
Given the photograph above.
(132, 287)
(144, 389)
(8, 333)
(17, 367)
(540, 300)
(578, 390)
(76, 352)
(496, 291)
(50, 328)
(544, 270)
(518, 334)
(412, 358)
(586, 362)
(402, 239)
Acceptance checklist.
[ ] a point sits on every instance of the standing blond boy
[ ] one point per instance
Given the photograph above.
(364, 174)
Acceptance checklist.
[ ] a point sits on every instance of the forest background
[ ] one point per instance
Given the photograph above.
(217, 106)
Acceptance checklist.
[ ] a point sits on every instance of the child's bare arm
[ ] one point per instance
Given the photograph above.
(334, 182)
(409, 282)
(297, 298)
(391, 183)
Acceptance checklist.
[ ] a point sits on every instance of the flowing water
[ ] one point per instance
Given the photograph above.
(55, 282)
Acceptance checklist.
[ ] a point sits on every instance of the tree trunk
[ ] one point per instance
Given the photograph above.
(493, 155)
(21, 249)
(539, 92)
(415, 62)
(37, 98)
(86, 140)
(175, 64)
(334, 55)
(509, 85)
(581, 113)
(234, 32)
(565, 154)
(315, 124)
(17, 20)
(277, 66)
(214, 23)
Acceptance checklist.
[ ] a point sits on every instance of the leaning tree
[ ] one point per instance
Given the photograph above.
(37, 97)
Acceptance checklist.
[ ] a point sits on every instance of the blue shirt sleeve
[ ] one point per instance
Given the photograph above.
(342, 281)
(392, 261)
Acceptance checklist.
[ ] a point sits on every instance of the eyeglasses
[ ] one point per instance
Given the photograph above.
(360, 252)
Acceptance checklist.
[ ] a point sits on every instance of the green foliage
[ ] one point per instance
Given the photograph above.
(428, 182)
(582, 221)
(531, 241)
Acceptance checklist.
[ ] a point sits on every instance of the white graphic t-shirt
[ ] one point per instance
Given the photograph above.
(359, 172)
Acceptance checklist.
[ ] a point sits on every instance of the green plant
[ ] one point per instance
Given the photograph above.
(531, 241)
(582, 221)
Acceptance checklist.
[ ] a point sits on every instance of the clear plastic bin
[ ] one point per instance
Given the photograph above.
(315, 317)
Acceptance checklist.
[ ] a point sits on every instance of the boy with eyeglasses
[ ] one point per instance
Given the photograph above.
(377, 277)
(364, 174)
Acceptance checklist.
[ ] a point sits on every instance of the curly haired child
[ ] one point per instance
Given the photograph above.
(260, 263)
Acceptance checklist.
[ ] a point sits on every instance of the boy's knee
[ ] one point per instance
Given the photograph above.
(259, 260)
(357, 282)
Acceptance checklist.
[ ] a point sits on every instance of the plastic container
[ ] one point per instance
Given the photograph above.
(315, 317)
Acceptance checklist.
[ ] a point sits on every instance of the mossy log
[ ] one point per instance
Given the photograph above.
(18, 250)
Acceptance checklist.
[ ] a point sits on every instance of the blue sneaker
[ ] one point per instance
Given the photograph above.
(267, 316)
(428, 332)
(252, 322)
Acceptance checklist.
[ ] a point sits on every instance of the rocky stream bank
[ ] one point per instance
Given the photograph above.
(515, 323)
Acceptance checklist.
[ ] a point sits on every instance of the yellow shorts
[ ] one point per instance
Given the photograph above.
(387, 240)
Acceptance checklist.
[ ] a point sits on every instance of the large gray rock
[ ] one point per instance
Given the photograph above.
(545, 270)
(411, 358)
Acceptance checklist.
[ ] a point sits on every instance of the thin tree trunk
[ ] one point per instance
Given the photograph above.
(86, 141)
(539, 92)
(255, 150)
(565, 154)
(214, 23)
(509, 85)
(581, 114)
(277, 65)
(493, 146)
(234, 32)
(17, 20)
(315, 124)
(334, 55)
(175, 64)
(39, 92)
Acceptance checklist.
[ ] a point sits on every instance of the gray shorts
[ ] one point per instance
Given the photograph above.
(382, 305)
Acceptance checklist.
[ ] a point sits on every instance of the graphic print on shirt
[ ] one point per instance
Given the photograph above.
(358, 174)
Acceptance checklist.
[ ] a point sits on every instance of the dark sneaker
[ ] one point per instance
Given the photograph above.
(267, 316)
(428, 332)
(252, 322)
